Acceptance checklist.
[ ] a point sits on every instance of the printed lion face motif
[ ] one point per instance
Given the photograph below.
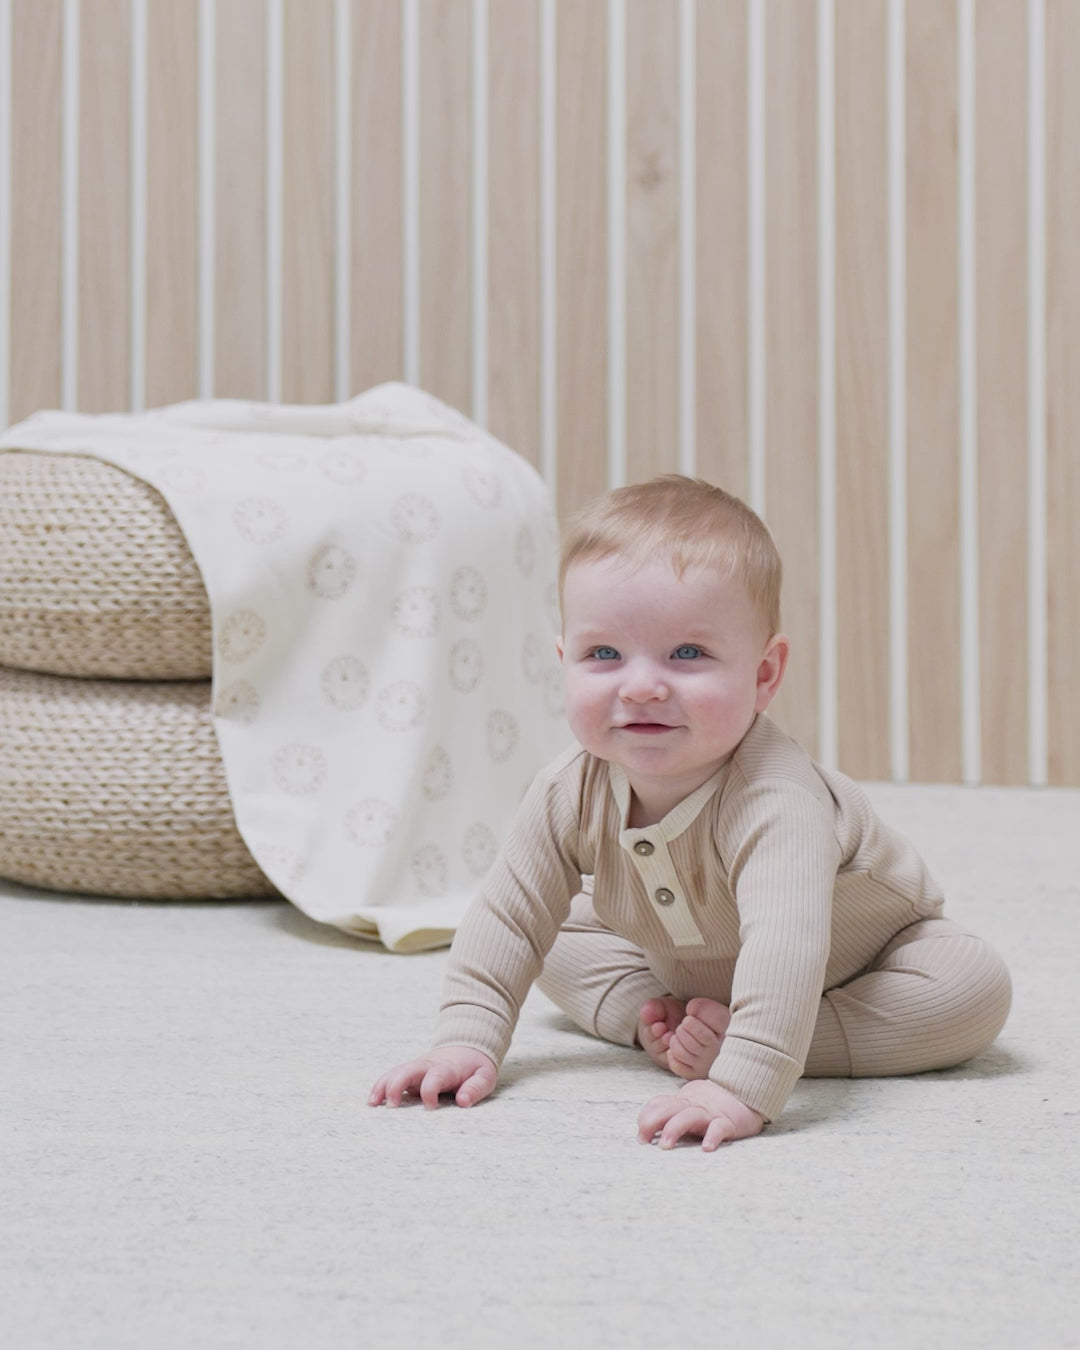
(466, 665)
(237, 702)
(259, 520)
(430, 870)
(502, 735)
(282, 865)
(479, 848)
(468, 593)
(532, 659)
(370, 823)
(483, 486)
(299, 769)
(345, 683)
(554, 698)
(343, 466)
(242, 634)
(438, 775)
(414, 519)
(401, 706)
(331, 572)
(416, 612)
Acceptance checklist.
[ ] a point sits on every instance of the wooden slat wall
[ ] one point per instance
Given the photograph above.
(652, 253)
(36, 200)
(581, 286)
(514, 267)
(376, 245)
(721, 230)
(1001, 346)
(791, 329)
(104, 361)
(933, 425)
(862, 387)
(307, 333)
(240, 217)
(223, 314)
(172, 167)
(446, 200)
(1063, 380)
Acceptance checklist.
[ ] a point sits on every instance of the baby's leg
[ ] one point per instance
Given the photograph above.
(597, 978)
(935, 996)
(605, 985)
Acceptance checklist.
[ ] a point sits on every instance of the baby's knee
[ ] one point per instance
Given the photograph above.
(970, 985)
(990, 990)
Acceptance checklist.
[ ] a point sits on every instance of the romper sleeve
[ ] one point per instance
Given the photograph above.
(509, 928)
(780, 839)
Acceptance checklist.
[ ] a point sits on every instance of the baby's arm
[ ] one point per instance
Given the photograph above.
(468, 1073)
(496, 955)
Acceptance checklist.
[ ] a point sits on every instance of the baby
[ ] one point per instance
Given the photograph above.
(685, 877)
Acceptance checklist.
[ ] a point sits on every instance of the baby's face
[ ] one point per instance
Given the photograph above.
(663, 674)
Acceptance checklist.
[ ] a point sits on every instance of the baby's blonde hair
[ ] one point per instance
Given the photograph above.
(690, 522)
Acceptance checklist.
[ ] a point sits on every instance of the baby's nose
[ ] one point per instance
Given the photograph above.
(642, 681)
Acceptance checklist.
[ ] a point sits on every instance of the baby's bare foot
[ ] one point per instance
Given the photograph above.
(656, 1024)
(695, 1042)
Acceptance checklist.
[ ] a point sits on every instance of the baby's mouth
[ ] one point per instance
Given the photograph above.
(646, 728)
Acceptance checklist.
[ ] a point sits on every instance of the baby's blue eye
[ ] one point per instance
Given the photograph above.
(687, 652)
(605, 654)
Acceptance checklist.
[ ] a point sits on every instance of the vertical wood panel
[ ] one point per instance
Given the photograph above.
(171, 201)
(1001, 299)
(307, 336)
(446, 201)
(652, 240)
(240, 200)
(862, 365)
(36, 37)
(932, 411)
(1063, 379)
(376, 309)
(514, 229)
(581, 280)
(104, 205)
(791, 322)
(581, 251)
(721, 269)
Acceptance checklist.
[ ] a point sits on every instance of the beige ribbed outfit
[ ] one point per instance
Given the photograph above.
(774, 889)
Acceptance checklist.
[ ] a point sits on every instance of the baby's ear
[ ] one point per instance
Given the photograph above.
(771, 669)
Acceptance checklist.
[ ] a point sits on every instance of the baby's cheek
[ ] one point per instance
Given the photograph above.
(584, 712)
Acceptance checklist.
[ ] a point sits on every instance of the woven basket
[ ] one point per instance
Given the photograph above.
(96, 578)
(116, 788)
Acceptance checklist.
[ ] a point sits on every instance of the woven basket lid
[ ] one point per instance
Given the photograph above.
(96, 578)
(115, 788)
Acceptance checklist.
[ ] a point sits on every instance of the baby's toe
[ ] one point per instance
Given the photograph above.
(714, 1015)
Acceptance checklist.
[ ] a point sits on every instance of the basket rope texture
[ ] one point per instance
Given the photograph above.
(117, 788)
(96, 577)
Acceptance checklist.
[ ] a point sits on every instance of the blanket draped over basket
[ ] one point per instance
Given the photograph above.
(382, 585)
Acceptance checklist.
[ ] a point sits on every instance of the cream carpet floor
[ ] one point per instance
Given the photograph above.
(188, 1161)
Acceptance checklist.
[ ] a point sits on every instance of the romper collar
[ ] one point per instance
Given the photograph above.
(678, 819)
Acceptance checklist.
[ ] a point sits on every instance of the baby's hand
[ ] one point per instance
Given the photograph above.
(468, 1073)
(700, 1108)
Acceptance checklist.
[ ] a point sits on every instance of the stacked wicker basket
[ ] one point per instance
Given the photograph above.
(111, 782)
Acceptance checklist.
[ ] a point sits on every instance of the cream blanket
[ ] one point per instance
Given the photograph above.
(381, 576)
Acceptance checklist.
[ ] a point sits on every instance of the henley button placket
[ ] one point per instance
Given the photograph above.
(654, 865)
(647, 850)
